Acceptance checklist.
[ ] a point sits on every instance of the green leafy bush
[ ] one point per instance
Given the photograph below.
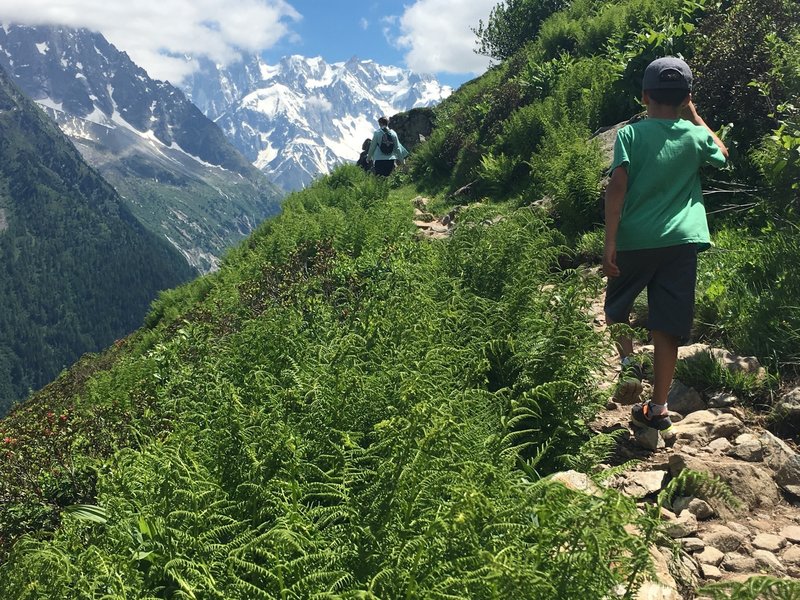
(748, 293)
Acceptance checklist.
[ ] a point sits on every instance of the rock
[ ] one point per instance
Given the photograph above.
(420, 202)
(692, 544)
(768, 541)
(788, 406)
(611, 405)
(739, 528)
(751, 483)
(722, 400)
(651, 590)
(739, 563)
(747, 447)
(734, 364)
(767, 560)
(791, 533)
(710, 572)
(703, 426)
(722, 538)
(720, 445)
(684, 525)
(701, 509)
(788, 475)
(576, 481)
(710, 556)
(648, 438)
(681, 503)
(663, 587)
(776, 451)
(684, 399)
(791, 555)
(638, 484)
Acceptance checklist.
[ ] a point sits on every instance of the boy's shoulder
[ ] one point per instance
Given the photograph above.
(661, 128)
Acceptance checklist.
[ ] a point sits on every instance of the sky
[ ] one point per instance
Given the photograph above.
(427, 36)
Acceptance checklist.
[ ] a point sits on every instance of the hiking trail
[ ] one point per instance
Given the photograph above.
(714, 434)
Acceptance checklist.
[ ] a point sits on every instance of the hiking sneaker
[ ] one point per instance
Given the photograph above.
(629, 387)
(641, 415)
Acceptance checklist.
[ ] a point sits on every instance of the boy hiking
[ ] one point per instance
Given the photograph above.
(655, 226)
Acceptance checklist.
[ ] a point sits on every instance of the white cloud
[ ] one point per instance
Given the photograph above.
(439, 38)
(364, 24)
(155, 32)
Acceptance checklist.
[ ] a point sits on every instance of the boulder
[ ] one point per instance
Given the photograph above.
(638, 484)
(722, 538)
(710, 556)
(788, 405)
(710, 572)
(683, 399)
(788, 475)
(682, 526)
(648, 438)
(739, 563)
(769, 541)
(701, 509)
(776, 451)
(577, 481)
(720, 445)
(734, 364)
(722, 400)
(767, 560)
(750, 483)
(701, 427)
(791, 556)
(692, 544)
(663, 587)
(747, 447)
(791, 533)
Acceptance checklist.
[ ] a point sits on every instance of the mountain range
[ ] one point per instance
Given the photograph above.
(77, 269)
(301, 117)
(175, 168)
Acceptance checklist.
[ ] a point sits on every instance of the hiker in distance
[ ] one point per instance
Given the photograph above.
(655, 226)
(363, 158)
(385, 149)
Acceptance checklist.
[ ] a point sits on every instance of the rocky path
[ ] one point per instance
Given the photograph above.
(757, 531)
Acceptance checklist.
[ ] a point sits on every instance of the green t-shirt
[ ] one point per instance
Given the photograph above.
(664, 202)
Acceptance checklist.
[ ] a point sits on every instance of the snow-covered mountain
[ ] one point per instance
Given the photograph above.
(180, 175)
(300, 118)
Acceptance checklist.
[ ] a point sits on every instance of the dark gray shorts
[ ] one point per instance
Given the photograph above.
(669, 274)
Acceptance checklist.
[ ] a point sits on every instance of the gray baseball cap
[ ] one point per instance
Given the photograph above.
(668, 73)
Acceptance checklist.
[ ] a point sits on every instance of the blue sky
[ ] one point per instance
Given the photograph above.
(431, 36)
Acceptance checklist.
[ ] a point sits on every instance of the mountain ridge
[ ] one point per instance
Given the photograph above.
(77, 269)
(175, 167)
(303, 116)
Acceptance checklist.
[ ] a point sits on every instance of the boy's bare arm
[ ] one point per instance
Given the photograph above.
(689, 112)
(615, 197)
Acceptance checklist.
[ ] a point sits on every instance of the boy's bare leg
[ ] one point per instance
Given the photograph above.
(629, 388)
(664, 361)
(624, 344)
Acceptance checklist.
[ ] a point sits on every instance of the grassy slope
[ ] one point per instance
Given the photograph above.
(345, 411)
(341, 408)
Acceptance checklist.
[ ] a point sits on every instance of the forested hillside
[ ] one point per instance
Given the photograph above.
(345, 410)
(77, 270)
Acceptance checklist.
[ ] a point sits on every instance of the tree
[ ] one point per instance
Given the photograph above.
(512, 24)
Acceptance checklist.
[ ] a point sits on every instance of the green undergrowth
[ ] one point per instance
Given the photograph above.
(343, 411)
